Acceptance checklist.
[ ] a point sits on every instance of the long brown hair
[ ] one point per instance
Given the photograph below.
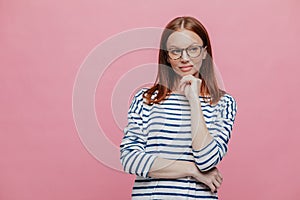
(166, 77)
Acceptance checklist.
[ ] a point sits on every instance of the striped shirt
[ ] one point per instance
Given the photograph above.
(164, 130)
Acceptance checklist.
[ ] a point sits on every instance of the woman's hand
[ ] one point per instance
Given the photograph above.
(190, 85)
(212, 178)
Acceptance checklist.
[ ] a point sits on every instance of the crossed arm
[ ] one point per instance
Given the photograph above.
(164, 168)
(209, 146)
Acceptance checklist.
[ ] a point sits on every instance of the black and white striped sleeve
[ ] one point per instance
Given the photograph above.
(209, 156)
(133, 157)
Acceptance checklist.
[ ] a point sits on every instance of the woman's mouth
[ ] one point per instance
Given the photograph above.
(186, 68)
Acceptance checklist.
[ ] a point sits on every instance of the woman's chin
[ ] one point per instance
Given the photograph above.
(191, 72)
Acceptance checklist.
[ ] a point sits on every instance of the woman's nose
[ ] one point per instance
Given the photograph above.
(184, 56)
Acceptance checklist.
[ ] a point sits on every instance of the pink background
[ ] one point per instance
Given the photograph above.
(43, 44)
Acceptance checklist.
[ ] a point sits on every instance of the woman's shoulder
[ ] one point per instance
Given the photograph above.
(137, 100)
(227, 100)
(228, 104)
(139, 94)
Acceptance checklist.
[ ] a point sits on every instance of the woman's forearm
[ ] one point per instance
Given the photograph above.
(173, 169)
(200, 135)
(165, 168)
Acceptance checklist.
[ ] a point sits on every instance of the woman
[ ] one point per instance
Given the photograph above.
(178, 130)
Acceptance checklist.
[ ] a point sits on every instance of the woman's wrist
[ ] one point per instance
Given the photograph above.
(186, 168)
(191, 169)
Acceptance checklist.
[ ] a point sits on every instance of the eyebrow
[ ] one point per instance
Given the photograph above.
(174, 46)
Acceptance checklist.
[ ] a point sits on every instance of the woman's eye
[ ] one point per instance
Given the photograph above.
(193, 49)
(175, 51)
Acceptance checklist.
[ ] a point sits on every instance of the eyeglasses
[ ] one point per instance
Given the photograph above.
(191, 51)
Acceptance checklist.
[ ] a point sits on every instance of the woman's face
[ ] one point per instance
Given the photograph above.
(185, 45)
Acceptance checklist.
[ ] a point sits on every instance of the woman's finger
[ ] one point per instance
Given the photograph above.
(212, 187)
(220, 175)
(188, 78)
(182, 87)
(219, 179)
(216, 183)
(182, 83)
